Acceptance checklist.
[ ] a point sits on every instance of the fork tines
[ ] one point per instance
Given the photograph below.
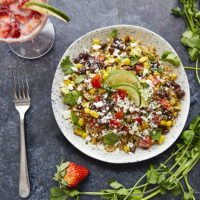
(20, 85)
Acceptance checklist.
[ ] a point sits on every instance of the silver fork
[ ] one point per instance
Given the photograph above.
(22, 104)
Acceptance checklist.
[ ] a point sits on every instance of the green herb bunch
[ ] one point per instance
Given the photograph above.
(191, 37)
(160, 180)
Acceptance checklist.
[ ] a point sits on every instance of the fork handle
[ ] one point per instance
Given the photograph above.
(24, 184)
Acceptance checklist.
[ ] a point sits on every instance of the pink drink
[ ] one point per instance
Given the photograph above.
(16, 21)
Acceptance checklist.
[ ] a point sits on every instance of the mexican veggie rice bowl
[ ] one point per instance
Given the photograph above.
(120, 94)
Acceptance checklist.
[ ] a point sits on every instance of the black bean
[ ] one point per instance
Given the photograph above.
(165, 131)
(127, 39)
(79, 106)
(160, 93)
(93, 67)
(84, 55)
(177, 90)
(180, 94)
(120, 47)
(167, 84)
(77, 60)
(116, 39)
(133, 149)
(82, 70)
(176, 85)
(167, 93)
(111, 49)
(103, 46)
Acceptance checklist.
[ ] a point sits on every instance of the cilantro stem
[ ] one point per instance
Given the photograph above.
(134, 187)
(152, 195)
(193, 68)
(197, 70)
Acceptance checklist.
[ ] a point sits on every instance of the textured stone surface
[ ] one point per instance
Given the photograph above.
(45, 143)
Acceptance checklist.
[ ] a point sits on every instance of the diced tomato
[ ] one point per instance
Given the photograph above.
(114, 123)
(101, 58)
(122, 94)
(139, 68)
(114, 97)
(119, 115)
(153, 79)
(126, 128)
(96, 81)
(97, 98)
(92, 122)
(165, 103)
(156, 119)
(145, 143)
(139, 120)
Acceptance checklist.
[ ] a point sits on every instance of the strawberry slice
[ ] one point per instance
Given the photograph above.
(21, 19)
(70, 174)
(4, 9)
(5, 29)
(6, 2)
(33, 23)
(15, 32)
(5, 17)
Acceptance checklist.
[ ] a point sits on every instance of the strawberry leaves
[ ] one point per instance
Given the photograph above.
(61, 172)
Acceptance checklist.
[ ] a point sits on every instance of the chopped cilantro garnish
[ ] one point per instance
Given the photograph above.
(66, 65)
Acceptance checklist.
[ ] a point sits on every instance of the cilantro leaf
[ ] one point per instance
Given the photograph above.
(162, 177)
(170, 57)
(79, 79)
(152, 175)
(66, 65)
(123, 191)
(157, 135)
(187, 136)
(74, 118)
(177, 11)
(137, 195)
(110, 138)
(194, 123)
(193, 53)
(188, 195)
(72, 97)
(134, 60)
(116, 185)
(58, 194)
(191, 42)
(114, 33)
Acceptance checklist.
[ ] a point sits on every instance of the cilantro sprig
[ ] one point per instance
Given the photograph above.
(67, 65)
(165, 178)
(191, 37)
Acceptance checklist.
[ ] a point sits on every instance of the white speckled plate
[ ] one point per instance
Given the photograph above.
(148, 38)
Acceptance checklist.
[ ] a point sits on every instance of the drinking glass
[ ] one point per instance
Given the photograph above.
(35, 44)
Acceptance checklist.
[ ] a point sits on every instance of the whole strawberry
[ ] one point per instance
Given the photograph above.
(70, 174)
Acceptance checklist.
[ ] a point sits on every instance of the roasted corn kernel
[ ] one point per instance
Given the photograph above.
(67, 82)
(87, 110)
(156, 74)
(146, 65)
(173, 102)
(142, 59)
(79, 66)
(173, 76)
(94, 114)
(161, 139)
(108, 69)
(126, 61)
(126, 149)
(78, 132)
(92, 91)
(96, 41)
(163, 123)
(169, 123)
(145, 125)
(81, 122)
(84, 135)
(117, 60)
(140, 128)
(101, 91)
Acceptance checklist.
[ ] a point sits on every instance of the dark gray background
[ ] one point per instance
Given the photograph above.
(45, 143)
